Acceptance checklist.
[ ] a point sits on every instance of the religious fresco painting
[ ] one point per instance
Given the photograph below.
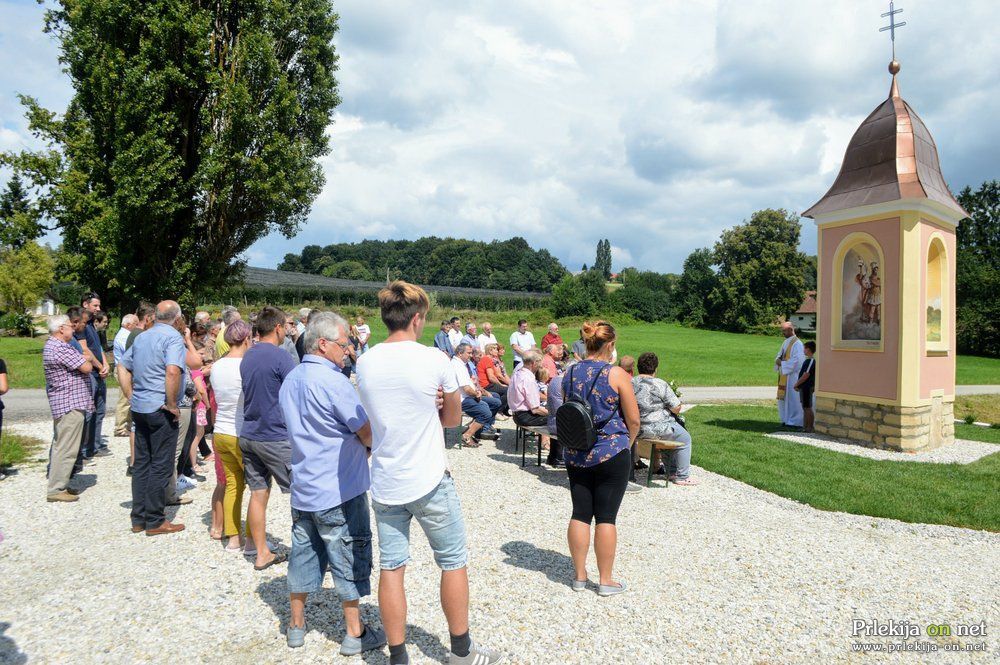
(861, 305)
(935, 291)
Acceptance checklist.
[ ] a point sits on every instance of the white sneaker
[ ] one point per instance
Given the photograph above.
(193, 481)
(183, 484)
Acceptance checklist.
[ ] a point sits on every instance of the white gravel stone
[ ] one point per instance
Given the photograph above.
(719, 572)
(961, 452)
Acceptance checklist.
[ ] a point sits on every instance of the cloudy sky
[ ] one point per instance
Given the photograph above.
(656, 124)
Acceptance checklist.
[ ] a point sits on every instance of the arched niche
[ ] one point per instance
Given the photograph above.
(859, 283)
(937, 297)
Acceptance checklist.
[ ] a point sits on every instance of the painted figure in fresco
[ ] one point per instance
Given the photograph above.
(864, 284)
(873, 296)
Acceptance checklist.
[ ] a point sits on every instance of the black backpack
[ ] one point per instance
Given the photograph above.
(575, 424)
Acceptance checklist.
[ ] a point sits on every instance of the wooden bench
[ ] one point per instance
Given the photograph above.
(531, 432)
(651, 449)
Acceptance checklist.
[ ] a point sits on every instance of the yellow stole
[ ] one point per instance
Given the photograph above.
(783, 378)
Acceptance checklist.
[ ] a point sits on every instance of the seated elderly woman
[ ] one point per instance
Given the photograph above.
(657, 406)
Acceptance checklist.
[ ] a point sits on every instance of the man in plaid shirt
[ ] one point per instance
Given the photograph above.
(67, 385)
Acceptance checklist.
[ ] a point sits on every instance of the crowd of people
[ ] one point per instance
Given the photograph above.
(271, 400)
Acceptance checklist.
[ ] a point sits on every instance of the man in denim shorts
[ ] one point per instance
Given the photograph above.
(399, 381)
(331, 526)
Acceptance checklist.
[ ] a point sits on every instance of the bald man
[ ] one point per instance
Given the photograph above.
(154, 382)
(787, 364)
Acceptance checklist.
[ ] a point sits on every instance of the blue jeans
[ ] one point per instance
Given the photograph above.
(439, 514)
(483, 411)
(93, 425)
(338, 537)
(493, 402)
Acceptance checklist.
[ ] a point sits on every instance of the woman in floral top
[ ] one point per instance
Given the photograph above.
(657, 406)
(598, 477)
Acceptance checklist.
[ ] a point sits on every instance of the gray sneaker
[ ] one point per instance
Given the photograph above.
(633, 487)
(296, 637)
(373, 638)
(579, 585)
(478, 655)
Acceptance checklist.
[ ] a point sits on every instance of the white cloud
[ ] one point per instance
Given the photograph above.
(653, 124)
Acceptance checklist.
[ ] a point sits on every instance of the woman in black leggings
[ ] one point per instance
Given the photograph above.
(598, 477)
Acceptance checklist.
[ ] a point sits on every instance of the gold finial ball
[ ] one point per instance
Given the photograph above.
(894, 67)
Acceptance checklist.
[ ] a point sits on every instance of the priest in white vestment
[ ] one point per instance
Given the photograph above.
(787, 364)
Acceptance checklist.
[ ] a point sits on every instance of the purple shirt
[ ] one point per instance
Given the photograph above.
(66, 387)
(263, 369)
(523, 394)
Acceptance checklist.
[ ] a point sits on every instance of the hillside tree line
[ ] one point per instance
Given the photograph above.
(753, 276)
(501, 264)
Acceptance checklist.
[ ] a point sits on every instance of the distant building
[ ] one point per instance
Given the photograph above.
(45, 307)
(804, 317)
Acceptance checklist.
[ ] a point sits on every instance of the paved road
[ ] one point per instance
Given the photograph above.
(26, 404)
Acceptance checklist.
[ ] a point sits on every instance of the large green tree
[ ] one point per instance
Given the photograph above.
(760, 271)
(696, 283)
(978, 274)
(25, 274)
(194, 130)
(579, 295)
(18, 219)
(602, 260)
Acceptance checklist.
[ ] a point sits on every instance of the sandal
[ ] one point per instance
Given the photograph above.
(470, 442)
(279, 557)
(215, 535)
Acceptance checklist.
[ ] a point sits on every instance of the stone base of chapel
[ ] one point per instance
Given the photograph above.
(902, 428)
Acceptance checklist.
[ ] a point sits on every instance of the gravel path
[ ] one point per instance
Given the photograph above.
(720, 572)
(960, 452)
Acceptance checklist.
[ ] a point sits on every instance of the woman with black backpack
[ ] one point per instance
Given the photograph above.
(597, 424)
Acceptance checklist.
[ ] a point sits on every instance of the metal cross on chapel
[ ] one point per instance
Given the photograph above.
(891, 14)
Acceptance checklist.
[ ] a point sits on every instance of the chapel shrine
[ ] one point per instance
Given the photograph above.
(886, 287)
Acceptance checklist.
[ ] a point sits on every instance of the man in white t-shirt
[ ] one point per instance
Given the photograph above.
(521, 340)
(476, 404)
(455, 333)
(399, 381)
(486, 337)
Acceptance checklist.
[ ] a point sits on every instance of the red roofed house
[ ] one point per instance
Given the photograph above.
(804, 317)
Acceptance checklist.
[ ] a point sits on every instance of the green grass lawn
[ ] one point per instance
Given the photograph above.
(977, 371)
(982, 408)
(693, 357)
(15, 449)
(730, 440)
(689, 356)
(24, 361)
(977, 433)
